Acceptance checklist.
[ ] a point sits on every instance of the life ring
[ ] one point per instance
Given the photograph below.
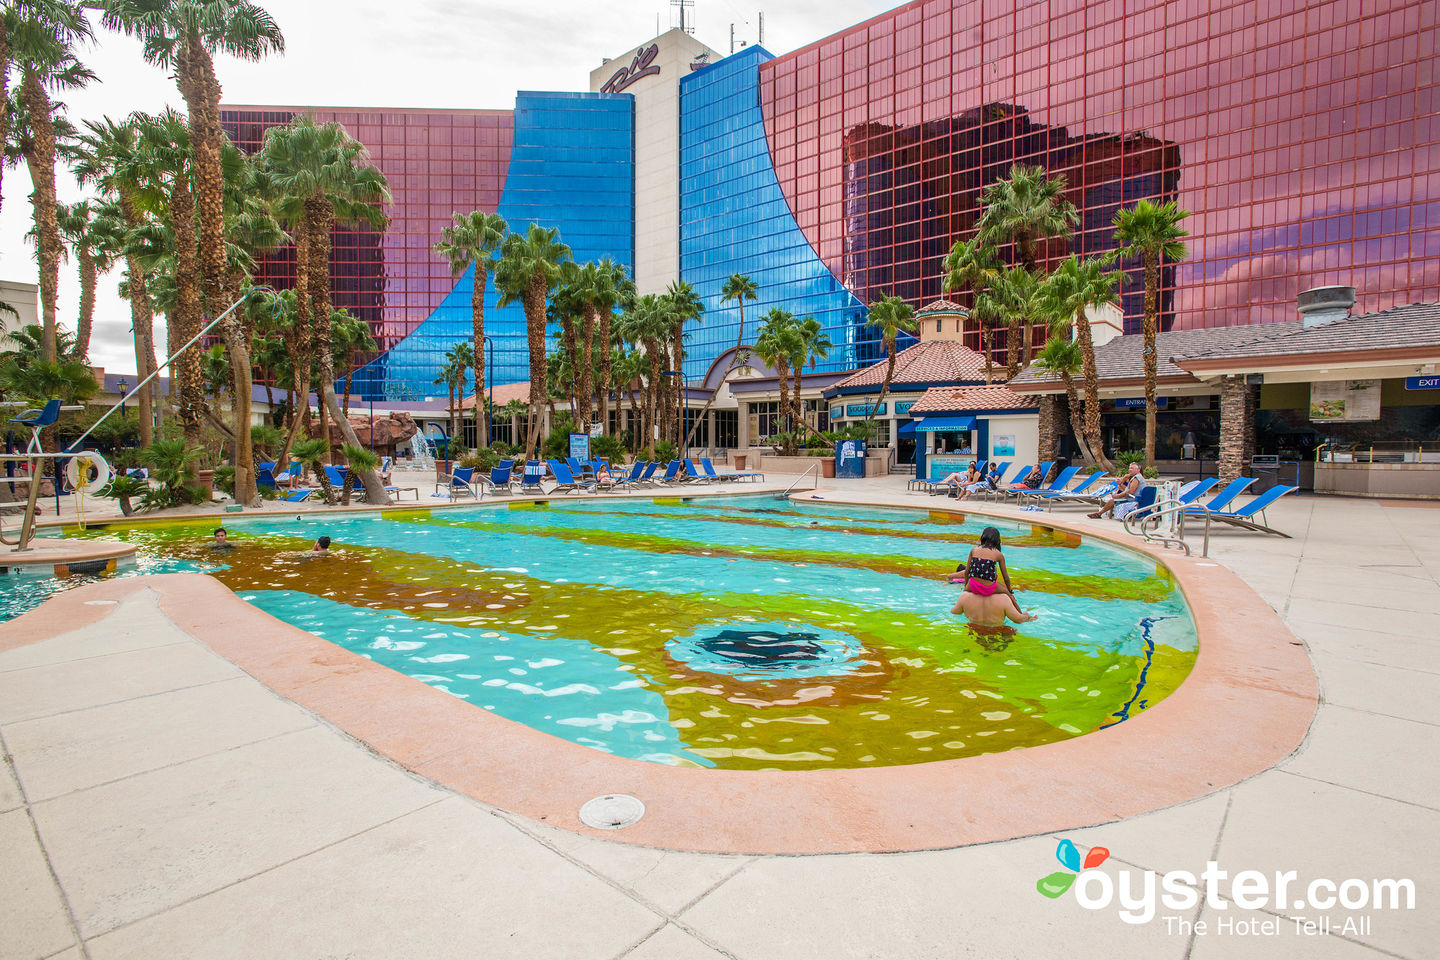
(93, 461)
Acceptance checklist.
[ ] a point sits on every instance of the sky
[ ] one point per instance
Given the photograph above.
(435, 53)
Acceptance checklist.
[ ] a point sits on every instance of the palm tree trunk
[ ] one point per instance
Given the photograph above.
(142, 320)
(602, 389)
(889, 375)
(1077, 420)
(40, 159)
(301, 345)
(88, 278)
(1092, 392)
(321, 217)
(1152, 311)
(4, 92)
(1012, 349)
(656, 397)
(585, 389)
(232, 329)
(988, 345)
(477, 323)
(188, 385)
(533, 303)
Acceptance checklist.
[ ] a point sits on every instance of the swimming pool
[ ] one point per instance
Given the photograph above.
(737, 632)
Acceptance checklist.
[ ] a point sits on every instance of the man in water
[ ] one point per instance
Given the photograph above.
(321, 548)
(222, 540)
(992, 610)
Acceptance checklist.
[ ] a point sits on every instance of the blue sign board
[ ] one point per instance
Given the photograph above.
(1131, 403)
(903, 407)
(850, 458)
(837, 412)
(580, 446)
(942, 465)
(863, 409)
(1422, 383)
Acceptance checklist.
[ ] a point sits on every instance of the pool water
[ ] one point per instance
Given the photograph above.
(739, 632)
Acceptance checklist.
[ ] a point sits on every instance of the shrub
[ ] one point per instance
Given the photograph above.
(359, 459)
(1124, 458)
(124, 489)
(172, 466)
(608, 446)
(484, 460)
(266, 439)
(225, 479)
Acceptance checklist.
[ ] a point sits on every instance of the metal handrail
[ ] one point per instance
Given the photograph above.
(786, 492)
(1159, 511)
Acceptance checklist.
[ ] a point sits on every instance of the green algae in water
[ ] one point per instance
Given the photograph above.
(739, 655)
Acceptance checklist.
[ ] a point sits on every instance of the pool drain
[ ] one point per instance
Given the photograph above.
(612, 811)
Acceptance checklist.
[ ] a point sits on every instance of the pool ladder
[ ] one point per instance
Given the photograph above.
(786, 492)
(1149, 523)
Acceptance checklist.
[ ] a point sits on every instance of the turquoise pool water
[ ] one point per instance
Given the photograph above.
(727, 632)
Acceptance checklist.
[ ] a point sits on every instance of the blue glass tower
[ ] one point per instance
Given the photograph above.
(572, 167)
(734, 219)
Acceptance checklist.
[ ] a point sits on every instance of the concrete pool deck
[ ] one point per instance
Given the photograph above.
(163, 802)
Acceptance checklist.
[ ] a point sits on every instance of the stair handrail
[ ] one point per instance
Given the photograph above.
(1152, 516)
(786, 492)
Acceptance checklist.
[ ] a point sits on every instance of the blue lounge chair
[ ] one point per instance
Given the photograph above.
(672, 473)
(1196, 489)
(578, 468)
(649, 475)
(709, 469)
(636, 474)
(498, 480)
(458, 484)
(567, 481)
(1061, 481)
(693, 473)
(297, 495)
(265, 478)
(1222, 499)
(533, 479)
(1241, 516)
(1077, 491)
(995, 491)
(1018, 492)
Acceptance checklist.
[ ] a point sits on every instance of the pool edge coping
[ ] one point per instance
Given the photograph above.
(1247, 704)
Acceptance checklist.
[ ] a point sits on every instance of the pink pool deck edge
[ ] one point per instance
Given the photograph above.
(1247, 704)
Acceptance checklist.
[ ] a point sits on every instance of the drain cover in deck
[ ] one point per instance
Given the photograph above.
(612, 811)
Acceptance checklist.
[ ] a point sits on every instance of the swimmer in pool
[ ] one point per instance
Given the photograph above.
(222, 540)
(992, 610)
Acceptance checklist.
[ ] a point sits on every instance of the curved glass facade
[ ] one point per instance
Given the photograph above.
(1303, 138)
(734, 219)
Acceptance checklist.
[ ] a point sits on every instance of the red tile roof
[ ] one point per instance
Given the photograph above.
(504, 393)
(961, 399)
(930, 361)
(943, 306)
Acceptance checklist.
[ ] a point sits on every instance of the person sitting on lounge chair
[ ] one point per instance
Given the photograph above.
(1032, 481)
(961, 479)
(982, 481)
(1129, 487)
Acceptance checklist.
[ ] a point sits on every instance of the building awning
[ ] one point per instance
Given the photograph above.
(932, 424)
(907, 429)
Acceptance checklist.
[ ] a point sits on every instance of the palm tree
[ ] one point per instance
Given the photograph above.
(322, 170)
(1074, 287)
(452, 375)
(40, 36)
(313, 452)
(776, 343)
(685, 305)
(645, 325)
(813, 346)
(474, 240)
(351, 336)
(972, 266)
(738, 288)
(891, 316)
(1016, 293)
(182, 35)
(111, 160)
(1153, 232)
(1022, 210)
(357, 460)
(612, 288)
(91, 237)
(1061, 357)
(529, 269)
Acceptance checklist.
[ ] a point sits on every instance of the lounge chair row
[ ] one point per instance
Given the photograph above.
(572, 476)
(1192, 495)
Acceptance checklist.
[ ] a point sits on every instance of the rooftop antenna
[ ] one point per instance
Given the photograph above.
(761, 39)
(683, 5)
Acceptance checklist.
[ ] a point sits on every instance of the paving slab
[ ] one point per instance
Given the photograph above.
(672, 943)
(1395, 691)
(668, 879)
(1420, 653)
(1371, 752)
(132, 847)
(977, 901)
(43, 691)
(1281, 822)
(1177, 838)
(71, 751)
(10, 797)
(129, 624)
(33, 923)
(449, 881)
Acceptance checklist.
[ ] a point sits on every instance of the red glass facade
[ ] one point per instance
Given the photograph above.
(1304, 138)
(437, 163)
